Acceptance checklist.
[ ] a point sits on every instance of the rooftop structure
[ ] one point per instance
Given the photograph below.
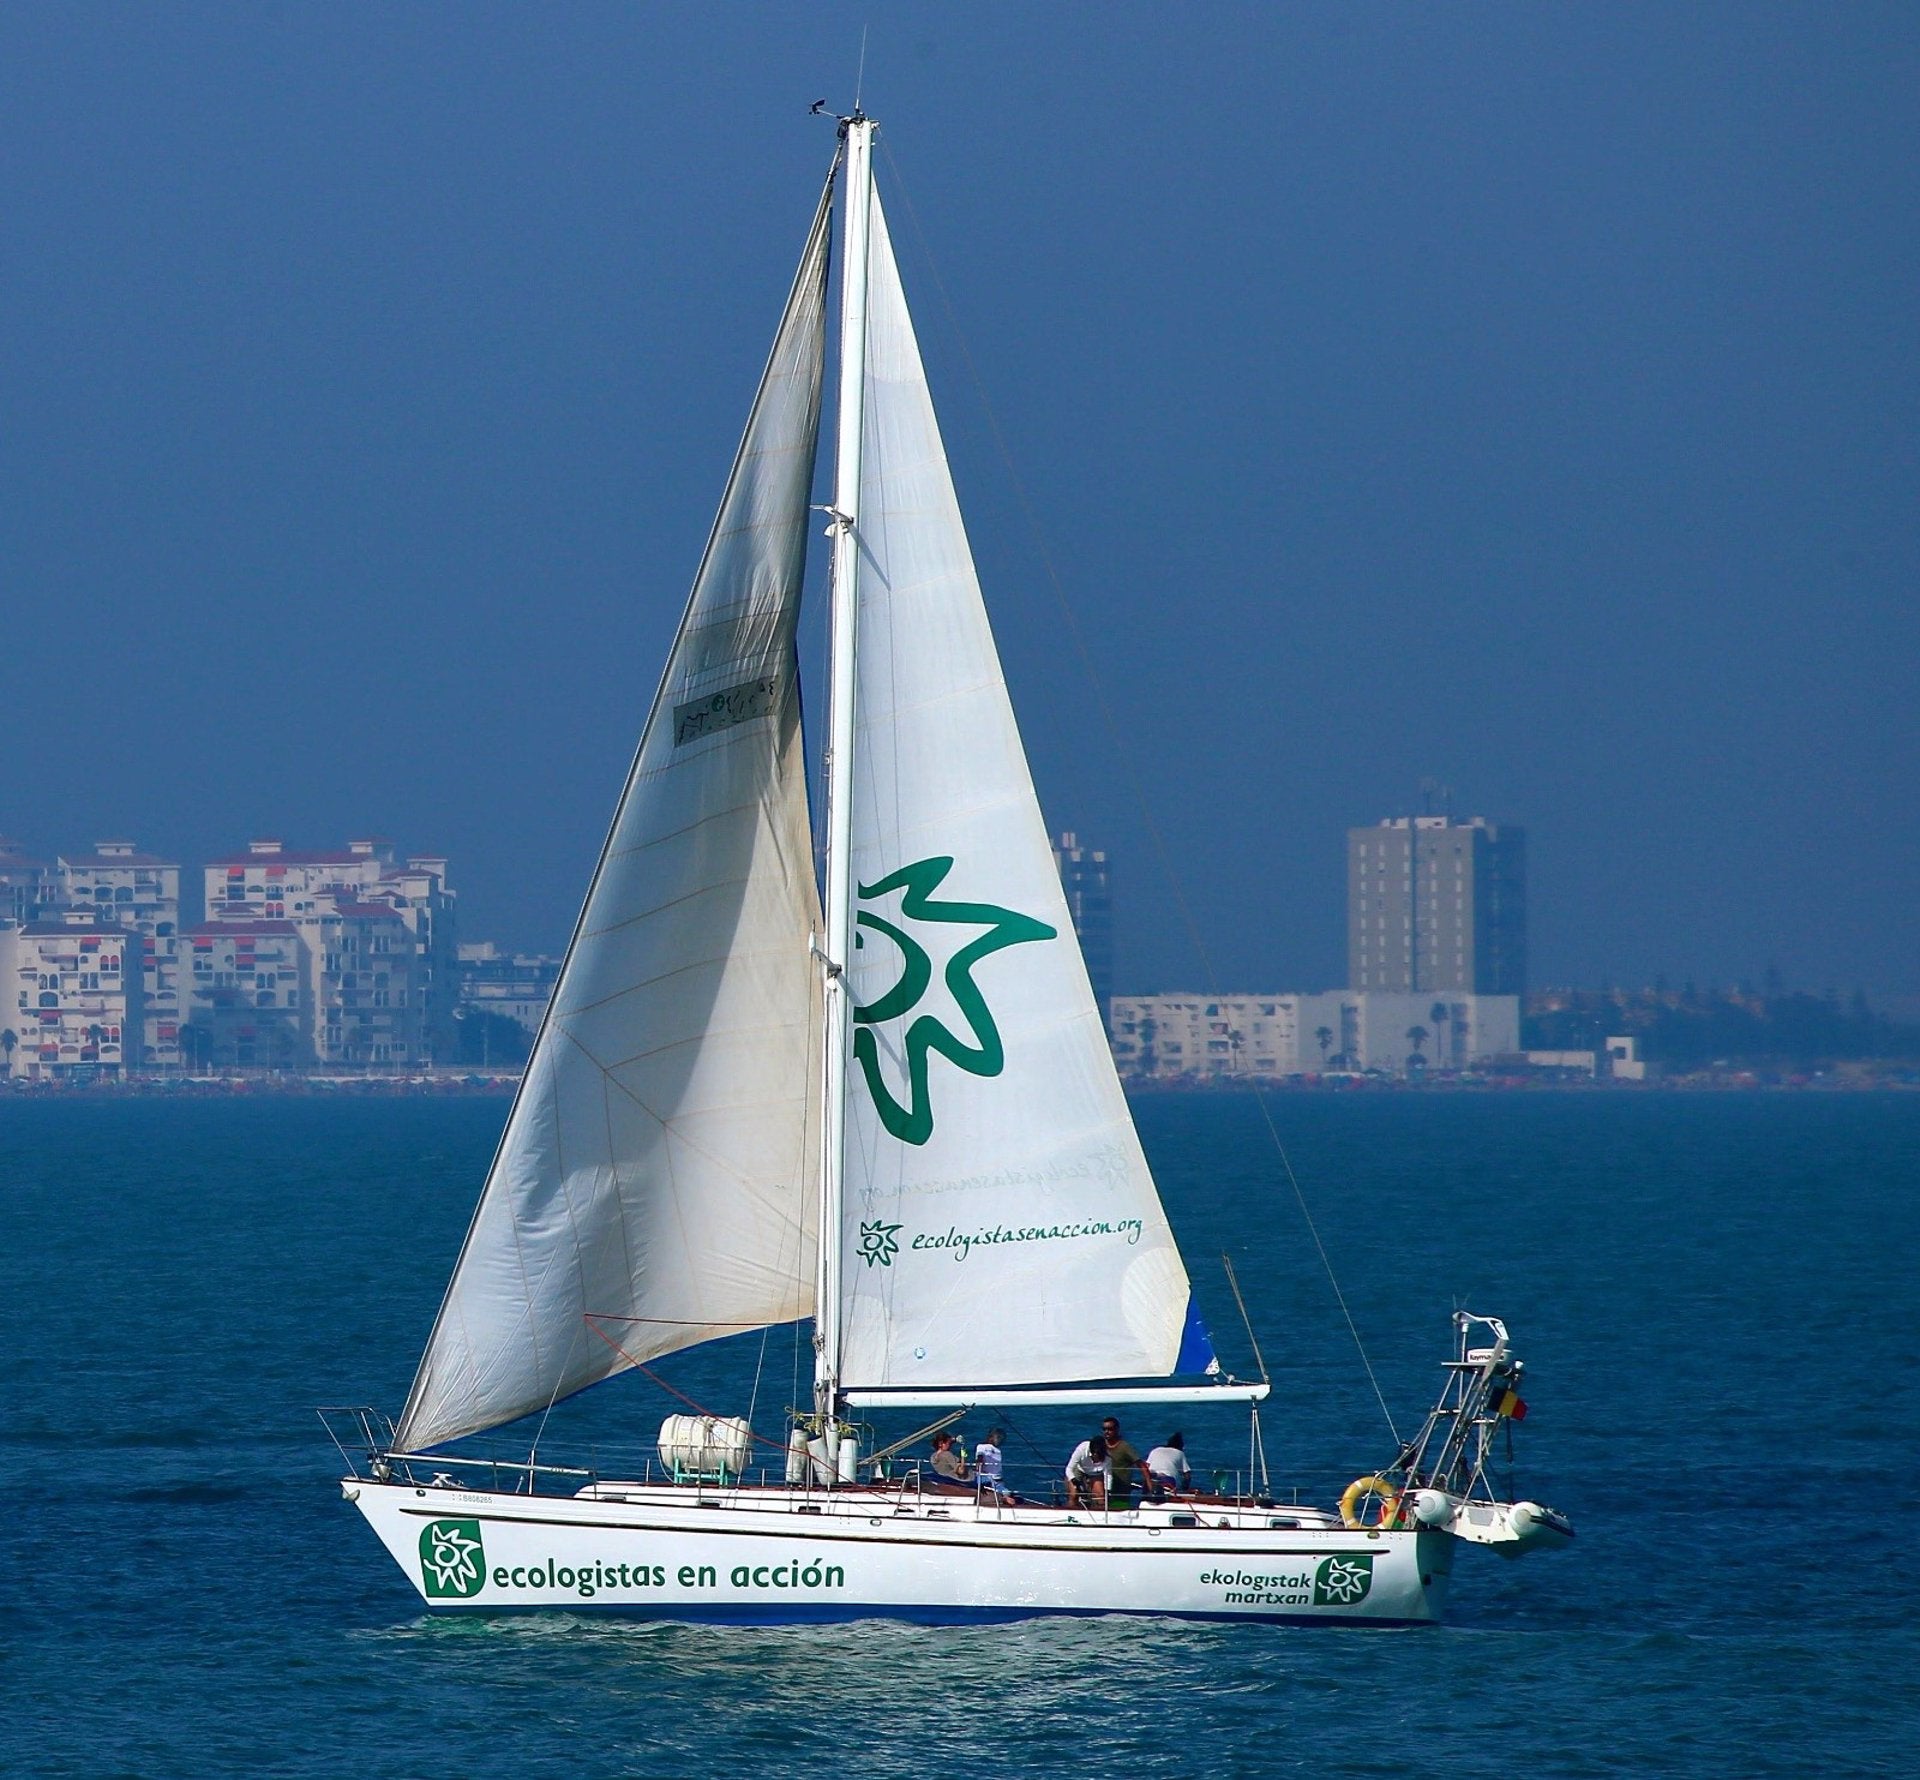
(29, 887)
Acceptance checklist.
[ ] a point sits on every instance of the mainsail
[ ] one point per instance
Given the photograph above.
(999, 1222)
(659, 1167)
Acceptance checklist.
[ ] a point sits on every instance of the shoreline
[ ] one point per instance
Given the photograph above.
(497, 1084)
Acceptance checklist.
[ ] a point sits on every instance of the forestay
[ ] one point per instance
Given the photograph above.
(1000, 1224)
(659, 1167)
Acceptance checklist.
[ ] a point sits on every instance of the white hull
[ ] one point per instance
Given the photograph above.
(781, 1556)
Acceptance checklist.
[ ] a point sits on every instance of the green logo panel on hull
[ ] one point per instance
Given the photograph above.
(1341, 1581)
(453, 1560)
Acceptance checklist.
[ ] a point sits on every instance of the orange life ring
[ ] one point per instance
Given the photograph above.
(1358, 1490)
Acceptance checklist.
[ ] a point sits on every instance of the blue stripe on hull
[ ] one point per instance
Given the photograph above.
(846, 1613)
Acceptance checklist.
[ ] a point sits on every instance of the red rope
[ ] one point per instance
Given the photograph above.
(641, 1366)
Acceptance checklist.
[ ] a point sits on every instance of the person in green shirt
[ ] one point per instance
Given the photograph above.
(1122, 1463)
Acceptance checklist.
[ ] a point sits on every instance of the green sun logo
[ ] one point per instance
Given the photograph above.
(1341, 1581)
(877, 1246)
(984, 1055)
(453, 1560)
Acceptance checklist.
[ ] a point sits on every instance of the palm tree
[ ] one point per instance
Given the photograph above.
(195, 1044)
(8, 1039)
(1438, 1015)
(1323, 1036)
(1416, 1036)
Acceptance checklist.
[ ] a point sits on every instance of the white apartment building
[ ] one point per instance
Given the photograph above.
(379, 994)
(71, 998)
(417, 888)
(367, 1000)
(514, 987)
(336, 985)
(117, 882)
(248, 1002)
(1168, 1037)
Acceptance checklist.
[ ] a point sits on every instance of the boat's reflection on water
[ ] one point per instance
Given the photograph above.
(1017, 1667)
(1023, 1697)
(657, 1699)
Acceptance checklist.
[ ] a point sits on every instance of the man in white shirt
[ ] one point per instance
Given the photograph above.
(989, 1461)
(1169, 1466)
(1087, 1475)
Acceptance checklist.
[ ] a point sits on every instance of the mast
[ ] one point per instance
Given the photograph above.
(858, 133)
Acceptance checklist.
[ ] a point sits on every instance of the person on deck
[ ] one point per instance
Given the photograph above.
(1167, 1467)
(1122, 1463)
(1087, 1475)
(946, 1462)
(989, 1460)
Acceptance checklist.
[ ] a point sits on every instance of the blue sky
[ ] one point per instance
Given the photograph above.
(1519, 397)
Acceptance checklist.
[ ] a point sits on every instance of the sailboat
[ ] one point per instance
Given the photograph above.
(886, 1107)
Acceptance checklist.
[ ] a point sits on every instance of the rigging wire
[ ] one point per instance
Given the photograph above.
(640, 1366)
(1253, 1340)
(793, 1394)
(1122, 755)
(559, 1378)
(759, 1366)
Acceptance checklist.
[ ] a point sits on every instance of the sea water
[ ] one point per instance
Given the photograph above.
(1715, 1296)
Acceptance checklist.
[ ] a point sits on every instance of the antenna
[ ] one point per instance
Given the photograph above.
(819, 107)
